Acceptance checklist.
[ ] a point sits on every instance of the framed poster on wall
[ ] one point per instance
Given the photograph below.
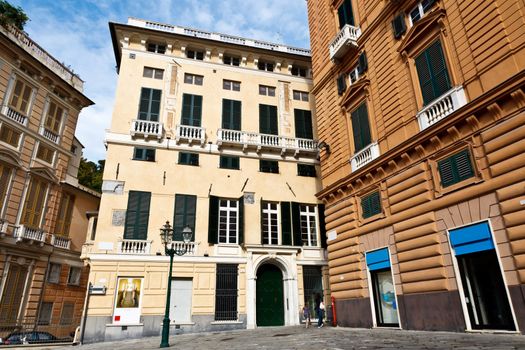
(128, 300)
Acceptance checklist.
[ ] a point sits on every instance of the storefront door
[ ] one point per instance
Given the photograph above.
(384, 298)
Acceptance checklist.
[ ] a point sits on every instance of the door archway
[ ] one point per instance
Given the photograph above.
(269, 296)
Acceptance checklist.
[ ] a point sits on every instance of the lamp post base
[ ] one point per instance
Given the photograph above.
(165, 333)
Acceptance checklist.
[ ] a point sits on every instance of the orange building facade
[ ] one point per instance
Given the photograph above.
(421, 110)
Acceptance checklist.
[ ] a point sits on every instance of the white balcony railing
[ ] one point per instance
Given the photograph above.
(48, 134)
(191, 247)
(146, 128)
(33, 234)
(441, 107)
(284, 143)
(364, 156)
(190, 133)
(345, 39)
(3, 226)
(134, 246)
(60, 242)
(14, 115)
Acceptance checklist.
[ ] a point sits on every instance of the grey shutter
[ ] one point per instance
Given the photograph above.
(213, 220)
(137, 215)
(296, 224)
(185, 209)
(268, 119)
(241, 220)
(231, 114)
(191, 110)
(399, 26)
(322, 225)
(286, 223)
(363, 63)
(341, 84)
(303, 124)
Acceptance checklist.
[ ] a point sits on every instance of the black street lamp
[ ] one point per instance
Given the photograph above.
(166, 235)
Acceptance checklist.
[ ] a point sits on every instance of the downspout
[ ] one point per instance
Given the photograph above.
(42, 290)
(84, 315)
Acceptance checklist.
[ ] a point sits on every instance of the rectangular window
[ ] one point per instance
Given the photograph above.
(268, 120)
(20, 97)
(45, 153)
(12, 297)
(10, 136)
(157, 48)
(345, 14)
(266, 90)
(149, 107)
(34, 203)
(232, 61)
(270, 223)
(231, 85)
(54, 117)
(231, 114)
(5, 177)
(53, 273)
(226, 292)
(195, 55)
(66, 316)
(155, 73)
(74, 276)
(299, 71)
(185, 212)
(455, 168)
(300, 95)
(303, 124)
(266, 66)
(188, 158)
(306, 170)
(420, 10)
(147, 154)
(371, 204)
(137, 215)
(191, 110)
(360, 127)
(193, 79)
(308, 215)
(354, 75)
(44, 317)
(65, 212)
(432, 73)
(229, 162)
(269, 166)
(228, 221)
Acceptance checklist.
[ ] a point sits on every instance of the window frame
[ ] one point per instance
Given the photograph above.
(9, 135)
(195, 54)
(17, 107)
(299, 71)
(306, 173)
(225, 211)
(230, 294)
(144, 156)
(188, 158)
(47, 321)
(266, 66)
(32, 213)
(65, 214)
(154, 73)
(53, 275)
(52, 122)
(367, 200)
(193, 79)
(266, 90)
(149, 115)
(156, 47)
(474, 178)
(45, 153)
(269, 166)
(232, 60)
(421, 11)
(230, 164)
(270, 236)
(232, 85)
(305, 214)
(302, 96)
(64, 320)
(71, 274)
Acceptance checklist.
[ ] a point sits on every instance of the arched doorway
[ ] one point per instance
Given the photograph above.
(269, 296)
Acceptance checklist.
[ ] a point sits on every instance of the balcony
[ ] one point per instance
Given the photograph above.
(190, 133)
(50, 135)
(344, 41)
(134, 246)
(191, 247)
(32, 234)
(60, 242)
(364, 156)
(14, 115)
(441, 107)
(146, 128)
(260, 141)
(3, 227)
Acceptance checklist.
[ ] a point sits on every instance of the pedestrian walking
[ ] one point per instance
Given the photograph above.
(320, 315)
(306, 315)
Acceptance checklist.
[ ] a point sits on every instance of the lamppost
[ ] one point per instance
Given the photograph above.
(166, 235)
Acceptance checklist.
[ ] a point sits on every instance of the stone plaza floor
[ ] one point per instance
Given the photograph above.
(281, 338)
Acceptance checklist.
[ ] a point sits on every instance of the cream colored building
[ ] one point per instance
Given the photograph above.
(215, 132)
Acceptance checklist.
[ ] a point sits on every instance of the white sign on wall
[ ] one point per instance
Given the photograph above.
(128, 300)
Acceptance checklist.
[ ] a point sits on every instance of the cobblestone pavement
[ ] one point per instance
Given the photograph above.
(281, 338)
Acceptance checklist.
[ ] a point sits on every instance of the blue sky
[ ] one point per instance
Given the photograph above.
(76, 32)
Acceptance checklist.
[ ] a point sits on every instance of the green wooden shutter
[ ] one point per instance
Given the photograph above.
(186, 109)
(345, 14)
(145, 94)
(455, 168)
(236, 110)
(185, 210)
(286, 223)
(341, 84)
(213, 220)
(371, 204)
(137, 215)
(296, 224)
(268, 119)
(303, 124)
(231, 114)
(322, 225)
(191, 110)
(149, 107)
(261, 204)
(361, 127)
(399, 26)
(432, 73)
(241, 220)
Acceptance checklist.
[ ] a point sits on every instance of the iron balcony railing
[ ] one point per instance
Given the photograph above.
(259, 141)
(344, 40)
(190, 133)
(446, 104)
(146, 128)
(364, 156)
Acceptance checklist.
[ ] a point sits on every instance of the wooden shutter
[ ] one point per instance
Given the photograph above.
(322, 225)
(5, 174)
(455, 168)
(231, 114)
(64, 214)
(13, 293)
(54, 117)
(149, 108)
(213, 220)
(345, 14)
(286, 223)
(241, 220)
(21, 96)
(137, 215)
(34, 203)
(268, 120)
(303, 124)
(362, 63)
(360, 127)
(371, 204)
(191, 110)
(185, 211)
(296, 224)
(432, 73)
(341, 84)
(399, 26)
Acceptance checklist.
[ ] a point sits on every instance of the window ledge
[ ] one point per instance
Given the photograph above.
(225, 322)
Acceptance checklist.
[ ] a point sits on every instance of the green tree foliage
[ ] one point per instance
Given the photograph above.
(90, 174)
(12, 15)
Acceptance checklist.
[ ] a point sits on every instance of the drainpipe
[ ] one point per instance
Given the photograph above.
(84, 314)
(42, 290)
(334, 314)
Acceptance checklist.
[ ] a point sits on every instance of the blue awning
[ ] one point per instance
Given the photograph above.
(471, 239)
(378, 259)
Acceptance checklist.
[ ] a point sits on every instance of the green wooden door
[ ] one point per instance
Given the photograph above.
(270, 300)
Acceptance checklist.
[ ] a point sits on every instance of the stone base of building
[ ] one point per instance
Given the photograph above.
(354, 313)
(100, 329)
